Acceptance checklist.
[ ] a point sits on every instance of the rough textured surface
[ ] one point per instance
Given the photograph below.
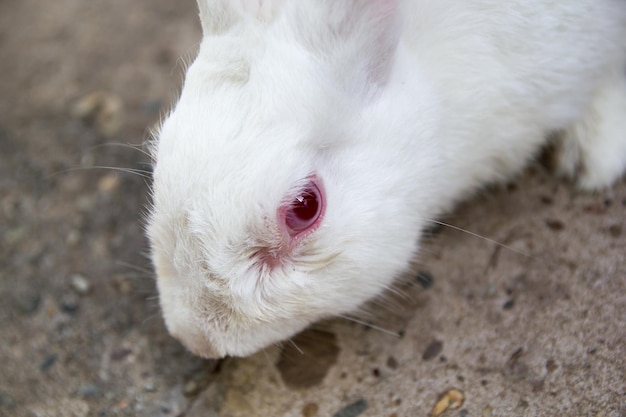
(540, 334)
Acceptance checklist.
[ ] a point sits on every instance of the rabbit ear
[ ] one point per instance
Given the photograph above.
(217, 16)
(358, 34)
(379, 31)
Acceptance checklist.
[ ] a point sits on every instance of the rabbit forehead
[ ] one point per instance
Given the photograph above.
(261, 133)
(219, 151)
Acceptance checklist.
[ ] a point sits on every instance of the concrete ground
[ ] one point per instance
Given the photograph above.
(478, 330)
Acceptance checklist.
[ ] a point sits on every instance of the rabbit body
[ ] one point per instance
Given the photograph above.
(398, 109)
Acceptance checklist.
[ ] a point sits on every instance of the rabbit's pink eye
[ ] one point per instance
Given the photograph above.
(304, 212)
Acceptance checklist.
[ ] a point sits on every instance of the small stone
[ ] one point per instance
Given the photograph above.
(434, 348)
(89, 390)
(464, 413)
(352, 410)
(508, 304)
(551, 365)
(69, 304)
(449, 400)
(615, 230)
(487, 412)
(48, 362)
(392, 362)
(425, 279)
(515, 356)
(119, 354)
(80, 284)
(149, 387)
(555, 225)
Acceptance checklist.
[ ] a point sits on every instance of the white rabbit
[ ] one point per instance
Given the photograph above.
(314, 139)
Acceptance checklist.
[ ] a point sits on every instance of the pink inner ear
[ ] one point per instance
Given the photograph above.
(373, 26)
(386, 6)
(387, 40)
(262, 9)
(302, 213)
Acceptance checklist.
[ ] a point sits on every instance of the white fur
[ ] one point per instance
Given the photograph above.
(400, 108)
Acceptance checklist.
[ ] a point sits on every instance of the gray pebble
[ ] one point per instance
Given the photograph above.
(432, 350)
(425, 279)
(89, 390)
(48, 362)
(69, 304)
(80, 284)
(352, 410)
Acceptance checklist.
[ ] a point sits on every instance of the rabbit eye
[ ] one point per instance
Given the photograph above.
(304, 212)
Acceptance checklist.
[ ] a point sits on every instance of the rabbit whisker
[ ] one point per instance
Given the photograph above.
(123, 145)
(372, 326)
(136, 268)
(139, 172)
(296, 346)
(495, 242)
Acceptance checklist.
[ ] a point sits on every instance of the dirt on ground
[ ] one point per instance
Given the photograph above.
(81, 86)
(82, 83)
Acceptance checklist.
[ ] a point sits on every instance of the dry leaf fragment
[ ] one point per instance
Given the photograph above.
(449, 400)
